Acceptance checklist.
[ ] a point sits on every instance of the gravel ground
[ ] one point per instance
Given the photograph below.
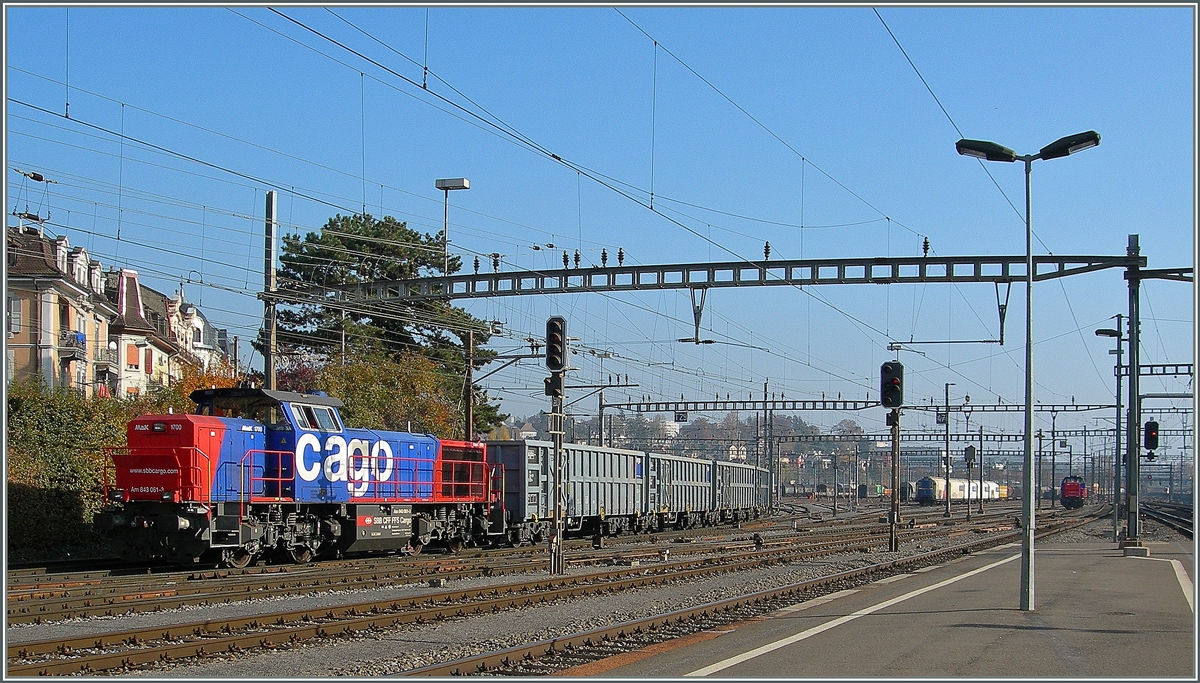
(410, 647)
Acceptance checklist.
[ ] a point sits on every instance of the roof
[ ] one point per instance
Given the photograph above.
(30, 253)
(206, 395)
(122, 287)
(33, 255)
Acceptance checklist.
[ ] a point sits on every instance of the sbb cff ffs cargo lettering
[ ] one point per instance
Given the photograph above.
(260, 474)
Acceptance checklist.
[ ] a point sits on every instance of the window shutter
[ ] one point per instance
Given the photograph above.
(15, 309)
(149, 361)
(131, 356)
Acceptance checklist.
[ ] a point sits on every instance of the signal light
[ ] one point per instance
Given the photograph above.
(554, 385)
(1150, 436)
(891, 384)
(556, 344)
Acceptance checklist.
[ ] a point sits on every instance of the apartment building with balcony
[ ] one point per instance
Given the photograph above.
(102, 333)
(57, 322)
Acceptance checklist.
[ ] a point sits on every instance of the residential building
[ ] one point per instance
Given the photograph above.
(57, 315)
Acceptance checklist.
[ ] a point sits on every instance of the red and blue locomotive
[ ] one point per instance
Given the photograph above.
(257, 473)
(1073, 492)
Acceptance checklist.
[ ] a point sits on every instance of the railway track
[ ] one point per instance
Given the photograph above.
(59, 597)
(1177, 517)
(561, 655)
(120, 650)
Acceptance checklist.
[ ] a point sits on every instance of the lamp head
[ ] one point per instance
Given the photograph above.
(452, 184)
(983, 149)
(1069, 145)
(1107, 332)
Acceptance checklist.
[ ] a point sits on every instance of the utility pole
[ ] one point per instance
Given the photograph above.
(557, 362)
(1053, 461)
(269, 347)
(981, 469)
(468, 390)
(1037, 483)
(894, 517)
(600, 410)
(948, 385)
(1133, 526)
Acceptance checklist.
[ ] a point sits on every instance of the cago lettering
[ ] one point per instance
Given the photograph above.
(355, 462)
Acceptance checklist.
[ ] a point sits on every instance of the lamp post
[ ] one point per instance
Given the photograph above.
(1116, 499)
(1053, 461)
(948, 385)
(445, 185)
(991, 151)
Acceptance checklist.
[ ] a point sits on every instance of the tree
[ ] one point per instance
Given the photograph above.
(847, 428)
(360, 249)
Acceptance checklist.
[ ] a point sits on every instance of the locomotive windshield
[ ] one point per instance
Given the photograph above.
(315, 417)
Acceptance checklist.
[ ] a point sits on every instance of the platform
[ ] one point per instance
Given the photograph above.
(1098, 613)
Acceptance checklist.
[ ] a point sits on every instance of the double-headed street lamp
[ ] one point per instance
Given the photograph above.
(991, 151)
(445, 185)
(1116, 500)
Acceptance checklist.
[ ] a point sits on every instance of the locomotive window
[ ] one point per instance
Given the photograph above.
(325, 420)
(319, 418)
(301, 417)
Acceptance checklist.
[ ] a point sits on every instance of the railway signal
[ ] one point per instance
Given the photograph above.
(556, 344)
(1150, 438)
(891, 384)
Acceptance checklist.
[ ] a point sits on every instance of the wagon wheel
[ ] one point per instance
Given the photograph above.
(415, 548)
(300, 554)
(237, 558)
(455, 545)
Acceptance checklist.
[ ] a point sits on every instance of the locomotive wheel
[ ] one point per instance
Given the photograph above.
(300, 554)
(455, 545)
(237, 558)
(415, 548)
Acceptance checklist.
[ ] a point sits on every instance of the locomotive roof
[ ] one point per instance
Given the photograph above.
(205, 395)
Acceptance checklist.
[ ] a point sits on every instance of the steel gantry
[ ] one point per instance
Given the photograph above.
(701, 276)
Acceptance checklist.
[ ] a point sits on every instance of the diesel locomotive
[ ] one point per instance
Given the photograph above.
(1072, 492)
(262, 474)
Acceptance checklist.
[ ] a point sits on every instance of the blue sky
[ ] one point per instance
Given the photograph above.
(802, 126)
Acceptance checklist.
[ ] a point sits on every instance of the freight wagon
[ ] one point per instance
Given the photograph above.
(611, 491)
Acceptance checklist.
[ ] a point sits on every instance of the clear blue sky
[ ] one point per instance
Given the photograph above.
(803, 126)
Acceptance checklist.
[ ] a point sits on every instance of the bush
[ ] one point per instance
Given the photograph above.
(56, 463)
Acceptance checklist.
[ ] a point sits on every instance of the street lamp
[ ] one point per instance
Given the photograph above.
(447, 184)
(991, 151)
(948, 385)
(1116, 501)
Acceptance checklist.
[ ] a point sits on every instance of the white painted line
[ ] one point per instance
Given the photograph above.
(769, 647)
(1181, 574)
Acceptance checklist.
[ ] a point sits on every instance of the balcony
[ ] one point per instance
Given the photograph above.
(72, 345)
(102, 355)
